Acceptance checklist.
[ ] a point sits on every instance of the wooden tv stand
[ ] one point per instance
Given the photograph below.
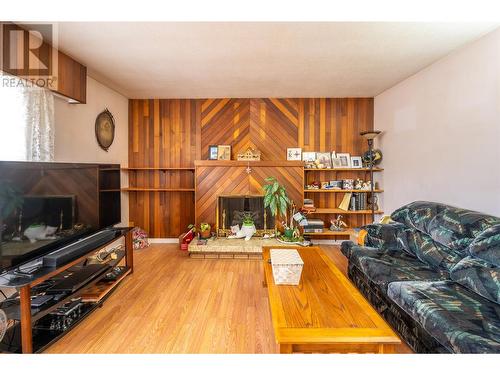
(31, 343)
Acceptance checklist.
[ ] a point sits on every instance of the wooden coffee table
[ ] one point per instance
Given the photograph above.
(325, 312)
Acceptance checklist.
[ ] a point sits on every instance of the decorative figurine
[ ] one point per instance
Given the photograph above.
(338, 224)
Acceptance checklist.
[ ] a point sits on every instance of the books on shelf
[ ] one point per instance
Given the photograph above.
(344, 205)
(354, 202)
(314, 226)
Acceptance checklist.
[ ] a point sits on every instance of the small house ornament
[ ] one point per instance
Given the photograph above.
(249, 155)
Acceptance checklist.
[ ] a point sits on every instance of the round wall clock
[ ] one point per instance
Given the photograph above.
(105, 129)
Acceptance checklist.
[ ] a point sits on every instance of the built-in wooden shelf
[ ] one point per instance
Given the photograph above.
(340, 191)
(109, 190)
(343, 169)
(244, 163)
(339, 211)
(158, 189)
(158, 169)
(328, 232)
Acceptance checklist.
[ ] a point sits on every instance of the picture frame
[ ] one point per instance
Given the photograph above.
(336, 184)
(356, 162)
(345, 160)
(294, 153)
(213, 152)
(223, 152)
(324, 160)
(336, 163)
(309, 157)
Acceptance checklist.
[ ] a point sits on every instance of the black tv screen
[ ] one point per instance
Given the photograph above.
(44, 206)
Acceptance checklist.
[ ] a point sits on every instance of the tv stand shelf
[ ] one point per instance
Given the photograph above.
(35, 339)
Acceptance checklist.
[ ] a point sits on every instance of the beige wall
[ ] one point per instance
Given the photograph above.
(442, 131)
(75, 136)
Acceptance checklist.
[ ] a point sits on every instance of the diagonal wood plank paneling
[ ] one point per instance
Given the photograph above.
(225, 122)
(212, 182)
(274, 126)
(174, 133)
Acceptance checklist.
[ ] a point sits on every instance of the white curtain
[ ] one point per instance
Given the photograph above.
(39, 122)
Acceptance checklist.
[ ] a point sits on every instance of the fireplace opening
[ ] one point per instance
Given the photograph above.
(231, 210)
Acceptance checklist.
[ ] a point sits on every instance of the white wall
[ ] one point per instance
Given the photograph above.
(441, 138)
(75, 131)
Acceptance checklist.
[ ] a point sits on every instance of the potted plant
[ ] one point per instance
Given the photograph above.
(276, 199)
(281, 207)
(205, 231)
(248, 226)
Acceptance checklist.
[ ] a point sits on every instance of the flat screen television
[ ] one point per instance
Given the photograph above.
(44, 206)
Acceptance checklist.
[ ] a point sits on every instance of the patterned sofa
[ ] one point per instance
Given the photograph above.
(434, 275)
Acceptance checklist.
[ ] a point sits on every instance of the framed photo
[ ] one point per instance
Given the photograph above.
(336, 162)
(356, 162)
(324, 159)
(213, 152)
(345, 160)
(336, 184)
(309, 157)
(224, 152)
(294, 153)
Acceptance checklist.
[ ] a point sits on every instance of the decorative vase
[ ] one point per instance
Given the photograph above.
(248, 230)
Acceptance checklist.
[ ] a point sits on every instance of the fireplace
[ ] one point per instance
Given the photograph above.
(231, 209)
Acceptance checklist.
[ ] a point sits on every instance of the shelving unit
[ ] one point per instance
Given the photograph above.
(29, 333)
(328, 200)
(339, 191)
(156, 189)
(146, 176)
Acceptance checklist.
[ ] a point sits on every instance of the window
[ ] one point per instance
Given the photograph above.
(26, 121)
(12, 123)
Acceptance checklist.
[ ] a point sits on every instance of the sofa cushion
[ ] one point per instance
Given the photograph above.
(385, 235)
(486, 246)
(431, 252)
(450, 226)
(385, 266)
(479, 276)
(459, 319)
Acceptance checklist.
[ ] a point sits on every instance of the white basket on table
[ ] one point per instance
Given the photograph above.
(287, 266)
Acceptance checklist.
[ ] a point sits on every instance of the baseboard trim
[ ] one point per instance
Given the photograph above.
(163, 240)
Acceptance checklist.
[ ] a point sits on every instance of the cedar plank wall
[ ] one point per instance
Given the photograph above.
(175, 132)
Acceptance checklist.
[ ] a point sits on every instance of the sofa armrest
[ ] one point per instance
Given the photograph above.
(385, 235)
(348, 247)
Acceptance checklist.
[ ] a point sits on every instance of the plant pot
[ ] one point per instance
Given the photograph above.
(248, 230)
(288, 233)
(205, 234)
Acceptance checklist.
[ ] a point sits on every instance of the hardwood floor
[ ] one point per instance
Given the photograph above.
(175, 304)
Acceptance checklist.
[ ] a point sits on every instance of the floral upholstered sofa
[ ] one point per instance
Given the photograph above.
(434, 275)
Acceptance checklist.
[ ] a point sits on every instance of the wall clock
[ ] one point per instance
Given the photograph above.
(105, 129)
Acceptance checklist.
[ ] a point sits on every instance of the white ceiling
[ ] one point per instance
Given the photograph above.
(210, 60)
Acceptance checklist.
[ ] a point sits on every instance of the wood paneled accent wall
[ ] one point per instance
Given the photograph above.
(176, 132)
(215, 178)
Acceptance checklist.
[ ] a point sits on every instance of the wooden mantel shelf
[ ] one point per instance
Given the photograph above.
(241, 163)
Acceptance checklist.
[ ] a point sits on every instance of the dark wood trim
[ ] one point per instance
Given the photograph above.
(129, 251)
